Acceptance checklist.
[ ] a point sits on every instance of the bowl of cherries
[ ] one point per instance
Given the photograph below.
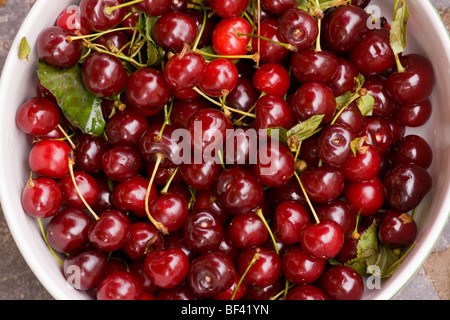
(226, 150)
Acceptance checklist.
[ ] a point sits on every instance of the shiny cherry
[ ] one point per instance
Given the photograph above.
(309, 65)
(301, 267)
(323, 184)
(270, 51)
(38, 116)
(272, 78)
(246, 230)
(298, 28)
(397, 229)
(411, 148)
(264, 271)
(226, 40)
(93, 12)
(220, 77)
(366, 197)
(342, 283)
(85, 269)
(203, 231)
(228, 8)
(110, 231)
(119, 286)
(322, 240)
(41, 197)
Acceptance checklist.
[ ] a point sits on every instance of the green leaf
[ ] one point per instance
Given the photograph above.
(24, 49)
(359, 82)
(303, 131)
(398, 28)
(145, 26)
(365, 104)
(81, 108)
(343, 100)
(278, 133)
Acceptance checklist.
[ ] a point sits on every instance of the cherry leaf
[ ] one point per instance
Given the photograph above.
(81, 108)
(365, 104)
(398, 28)
(303, 131)
(278, 133)
(344, 100)
(24, 49)
(145, 25)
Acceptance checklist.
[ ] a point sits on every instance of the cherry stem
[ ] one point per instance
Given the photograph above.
(199, 35)
(256, 256)
(307, 198)
(98, 34)
(109, 10)
(46, 241)
(288, 46)
(67, 137)
(355, 233)
(166, 120)
(259, 32)
(169, 181)
(212, 55)
(71, 164)
(260, 214)
(219, 153)
(158, 225)
(110, 257)
(400, 67)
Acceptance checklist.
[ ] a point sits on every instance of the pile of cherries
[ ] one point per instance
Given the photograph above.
(131, 224)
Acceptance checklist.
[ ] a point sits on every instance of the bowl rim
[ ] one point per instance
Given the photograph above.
(420, 253)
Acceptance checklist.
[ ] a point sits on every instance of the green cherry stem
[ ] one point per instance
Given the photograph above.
(169, 181)
(199, 35)
(46, 241)
(255, 258)
(260, 214)
(307, 198)
(109, 10)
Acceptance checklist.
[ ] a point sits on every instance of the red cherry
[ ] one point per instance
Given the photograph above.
(225, 39)
(322, 240)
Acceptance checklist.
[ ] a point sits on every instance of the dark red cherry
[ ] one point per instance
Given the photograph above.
(334, 145)
(414, 115)
(246, 230)
(121, 162)
(397, 229)
(322, 240)
(206, 200)
(203, 231)
(54, 48)
(143, 238)
(200, 176)
(278, 7)
(411, 148)
(384, 106)
(272, 78)
(93, 12)
(84, 270)
(372, 54)
(67, 231)
(343, 80)
(243, 96)
(87, 186)
(309, 65)
(312, 99)
(323, 184)
(154, 7)
(208, 29)
(264, 271)
(183, 110)
(379, 134)
(300, 267)
(115, 41)
(184, 70)
(406, 185)
(342, 283)
(366, 196)
(41, 197)
(226, 40)
(343, 27)
(220, 77)
(415, 84)
(305, 292)
(351, 117)
(89, 152)
(341, 212)
(110, 231)
(119, 286)
(270, 51)
(273, 112)
(173, 30)
(126, 128)
(298, 28)
(238, 190)
(210, 274)
(228, 8)
(290, 218)
(104, 75)
(167, 268)
(364, 165)
(38, 116)
(171, 210)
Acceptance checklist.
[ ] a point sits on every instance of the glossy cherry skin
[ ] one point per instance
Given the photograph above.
(94, 14)
(154, 7)
(167, 268)
(184, 70)
(243, 96)
(147, 90)
(366, 196)
(298, 28)
(291, 217)
(342, 283)
(201, 176)
(110, 231)
(414, 115)
(411, 148)
(84, 270)
(41, 197)
(322, 240)
(265, 271)
(228, 8)
(55, 50)
(246, 230)
(372, 54)
(300, 267)
(226, 41)
(104, 75)
(379, 134)
(334, 145)
(67, 231)
(87, 187)
(270, 51)
(406, 185)
(397, 229)
(203, 231)
(171, 210)
(343, 27)
(183, 110)
(323, 184)
(384, 106)
(305, 292)
(363, 166)
(173, 29)
(126, 128)
(115, 41)
(50, 158)
(278, 7)
(238, 190)
(208, 29)
(264, 293)
(38, 116)
(309, 65)
(220, 77)
(339, 211)
(275, 165)
(119, 286)
(415, 84)
(272, 78)
(351, 117)
(210, 274)
(343, 79)
(70, 19)
(312, 99)
(89, 152)
(181, 292)
(206, 200)
(129, 195)
(227, 294)
(143, 238)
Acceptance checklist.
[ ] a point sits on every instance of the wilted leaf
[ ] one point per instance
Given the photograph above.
(398, 28)
(81, 108)
(303, 131)
(365, 104)
(24, 49)
(343, 100)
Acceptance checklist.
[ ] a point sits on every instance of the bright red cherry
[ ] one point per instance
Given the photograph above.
(220, 77)
(119, 286)
(342, 283)
(226, 40)
(322, 240)
(272, 78)
(38, 116)
(41, 197)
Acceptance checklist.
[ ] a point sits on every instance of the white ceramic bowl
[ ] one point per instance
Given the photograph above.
(427, 36)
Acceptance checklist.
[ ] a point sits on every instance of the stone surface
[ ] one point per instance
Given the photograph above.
(17, 282)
